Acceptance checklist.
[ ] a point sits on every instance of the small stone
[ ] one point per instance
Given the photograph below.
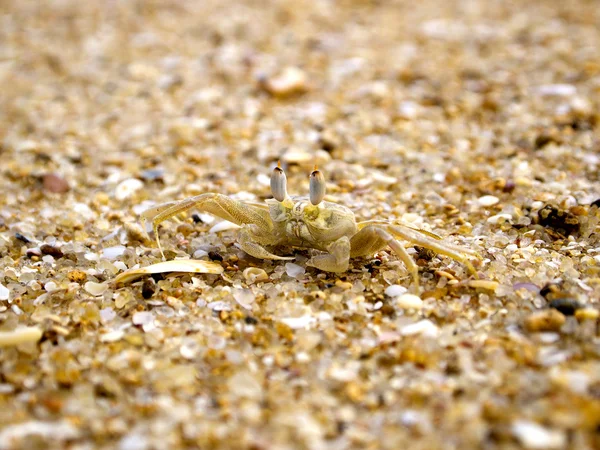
(50, 286)
(107, 314)
(219, 306)
(306, 158)
(111, 253)
(244, 384)
(557, 90)
(77, 276)
(409, 301)
(4, 292)
(483, 284)
(51, 250)
(345, 285)
(142, 318)
(20, 336)
(254, 274)
(499, 218)
(112, 336)
(547, 320)
(534, 436)
(224, 225)
(96, 289)
(296, 323)
(290, 81)
(424, 327)
(127, 188)
(55, 183)
(587, 314)
(294, 270)
(395, 290)
(488, 200)
(244, 297)
(148, 288)
(566, 306)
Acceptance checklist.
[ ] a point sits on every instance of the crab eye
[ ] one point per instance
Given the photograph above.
(316, 187)
(278, 183)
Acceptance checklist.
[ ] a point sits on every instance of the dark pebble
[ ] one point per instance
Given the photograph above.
(596, 203)
(196, 218)
(561, 221)
(250, 320)
(52, 251)
(567, 306)
(215, 256)
(54, 183)
(22, 238)
(148, 288)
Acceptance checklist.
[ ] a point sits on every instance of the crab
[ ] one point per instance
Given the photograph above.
(309, 222)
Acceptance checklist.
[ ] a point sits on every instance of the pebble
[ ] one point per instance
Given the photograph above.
(244, 384)
(534, 436)
(483, 284)
(566, 306)
(254, 274)
(547, 320)
(112, 336)
(296, 323)
(96, 289)
(306, 158)
(53, 431)
(77, 276)
(224, 225)
(290, 81)
(4, 292)
(587, 314)
(558, 90)
(142, 318)
(50, 286)
(488, 200)
(395, 290)
(244, 297)
(499, 218)
(55, 183)
(51, 250)
(127, 188)
(409, 301)
(294, 270)
(424, 327)
(20, 336)
(113, 252)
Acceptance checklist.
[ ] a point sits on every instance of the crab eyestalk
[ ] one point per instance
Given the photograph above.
(279, 183)
(317, 186)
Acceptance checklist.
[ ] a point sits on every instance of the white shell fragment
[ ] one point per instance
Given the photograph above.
(424, 327)
(20, 336)
(488, 200)
(4, 292)
(176, 266)
(96, 289)
(224, 225)
(290, 81)
(395, 290)
(409, 301)
(127, 188)
(532, 435)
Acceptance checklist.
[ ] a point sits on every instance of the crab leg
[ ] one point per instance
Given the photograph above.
(217, 204)
(372, 238)
(250, 245)
(453, 251)
(337, 258)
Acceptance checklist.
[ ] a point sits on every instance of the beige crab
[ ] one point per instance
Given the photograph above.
(308, 222)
